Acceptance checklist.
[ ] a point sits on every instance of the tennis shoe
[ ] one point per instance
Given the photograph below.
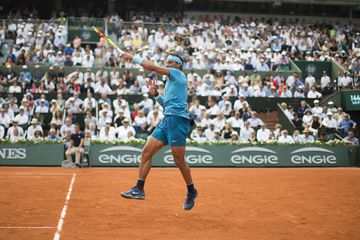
(134, 193)
(190, 200)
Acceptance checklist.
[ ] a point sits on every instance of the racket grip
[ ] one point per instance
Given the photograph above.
(121, 52)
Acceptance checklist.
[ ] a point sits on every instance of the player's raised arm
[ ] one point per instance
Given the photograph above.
(148, 65)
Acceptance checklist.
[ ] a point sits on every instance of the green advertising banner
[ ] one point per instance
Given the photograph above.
(103, 155)
(32, 154)
(351, 100)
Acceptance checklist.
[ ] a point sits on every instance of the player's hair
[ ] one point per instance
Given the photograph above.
(182, 60)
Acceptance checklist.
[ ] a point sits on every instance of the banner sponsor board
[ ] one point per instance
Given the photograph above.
(351, 100)
(32, 154)
(226, 156)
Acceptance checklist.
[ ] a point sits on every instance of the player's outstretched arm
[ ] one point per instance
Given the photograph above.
(148, 65)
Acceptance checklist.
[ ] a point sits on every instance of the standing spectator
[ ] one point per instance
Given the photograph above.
(76, 145)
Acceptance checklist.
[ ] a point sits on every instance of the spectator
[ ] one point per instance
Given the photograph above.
(317, 110)
(76, 146)
(52, 135)
(197, 135)
(306, 137)
(245, 132)
(123, 131)
(153, 119)
(226, 132)
(236, 121)
(254, 121)
(285, 137)
(4, 118)
(277, 131)
(15, 132)
(313, 93)
(351, 139)
(329, 122)
(107, 133)
(217, 136)
(42, 108)
(140, 122)
(22, 118)
(68, 125)
(346, 125)
(147, 104)
(2, 132)
(33, 128)
(210, 132)
(234, 137)
(263, 134)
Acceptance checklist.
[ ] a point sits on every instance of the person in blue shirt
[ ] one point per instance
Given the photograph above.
(172, 130)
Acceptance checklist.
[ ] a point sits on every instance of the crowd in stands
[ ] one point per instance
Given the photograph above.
(221, 48)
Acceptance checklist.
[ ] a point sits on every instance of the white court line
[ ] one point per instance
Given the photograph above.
(63, 212)
(23, 227)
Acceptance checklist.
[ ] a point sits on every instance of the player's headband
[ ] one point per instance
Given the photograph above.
(175, 59)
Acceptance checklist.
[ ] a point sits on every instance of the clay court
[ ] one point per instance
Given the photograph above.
(272, 203)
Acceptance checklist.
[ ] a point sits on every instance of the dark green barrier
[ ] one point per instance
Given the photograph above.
(351, 100)
(226, 156)
(315, 68)
(86, 34)
(32, 154)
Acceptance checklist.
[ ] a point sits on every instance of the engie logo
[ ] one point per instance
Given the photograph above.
(194, 155)
(12, 153)
(254, 155)
(121, 155)
(313, 156)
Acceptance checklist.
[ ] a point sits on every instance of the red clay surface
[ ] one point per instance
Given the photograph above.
(273, 203)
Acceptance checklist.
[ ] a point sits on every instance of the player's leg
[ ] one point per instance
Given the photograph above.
(177, 139)
(154, 143)
(78, 152)
(69, 153)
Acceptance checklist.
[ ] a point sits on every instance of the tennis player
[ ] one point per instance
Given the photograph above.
(172, 130)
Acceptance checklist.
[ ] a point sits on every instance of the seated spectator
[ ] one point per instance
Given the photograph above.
(52, 135)
(140, 122)
(210, 132)
(103, 117)
(313, 93)
(329, 122)
(42, 108)
(2, 132)
(197, 135)
(351, 139)
(226, 132)
(76, 146)
(252, 138)
(306, 137)
(33, 128)
(285, 137)
(296, 136)
(15, 132)
(147, 104)
(315, 125)
(153, 119)
(38, 135)
(234, 137)
(22, 118)
(322, 138)
(123, 131)
(317, 110)
(308, 117)
(89, 102)
(236, 121)
(205, 120)
(108, 132)
(245, 132)
(254, 121)
(263, 134)
(277, 131)
(217, 136)
(68, 125)
(346, 125)
(219, 121)
(4, 118)
(301, 109)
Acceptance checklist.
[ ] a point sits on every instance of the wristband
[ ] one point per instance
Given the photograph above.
(137, 59)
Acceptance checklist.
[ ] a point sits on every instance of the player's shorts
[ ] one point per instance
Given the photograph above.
(172, 130)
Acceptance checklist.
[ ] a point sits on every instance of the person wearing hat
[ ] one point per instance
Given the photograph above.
(42, 108)
(15, 132)
(217, 136)
(123, 131)
(285, 137)
(147, 104)
(33, 128)
(21, 117)
(329, 122)
(234, 137)
(107, 132)
(306, 137)
(173, 129)
(317, 109)
(197, 134)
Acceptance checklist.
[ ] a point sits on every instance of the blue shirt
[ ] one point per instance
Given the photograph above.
(175, 96)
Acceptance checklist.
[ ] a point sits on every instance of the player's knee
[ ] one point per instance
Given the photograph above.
(145, 156)
(179, 160)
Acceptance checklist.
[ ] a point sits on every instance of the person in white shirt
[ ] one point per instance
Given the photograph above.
(42, 108)
(226, 109)
(329, 122)
(117, 103)
(77, 76)
(345, 81)
(123, 130)
(317, 110)
(2, 132)
(66, 126)
(153, 119)
(310, 80)
(147, 104)
(245, 132)
(14, 88)
(219, 121)
(103, 87)
(308, 117)
(22, 118)
(195, 109)
(114, 77)
(210, 132)
(103, 117)
(313, 93)
(33, 128)
(285, 137)
(325, 80)
(107, 132)
(140, 122)
(306, 137)
(240, 103)
(101, 73)
(236, 121)
(197, 135)
(4, 118)
(89, 75)
(263, 134)
(15, 132)
(89, 102)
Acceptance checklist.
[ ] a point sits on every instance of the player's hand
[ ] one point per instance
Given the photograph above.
(127, 56)
(152, 87)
